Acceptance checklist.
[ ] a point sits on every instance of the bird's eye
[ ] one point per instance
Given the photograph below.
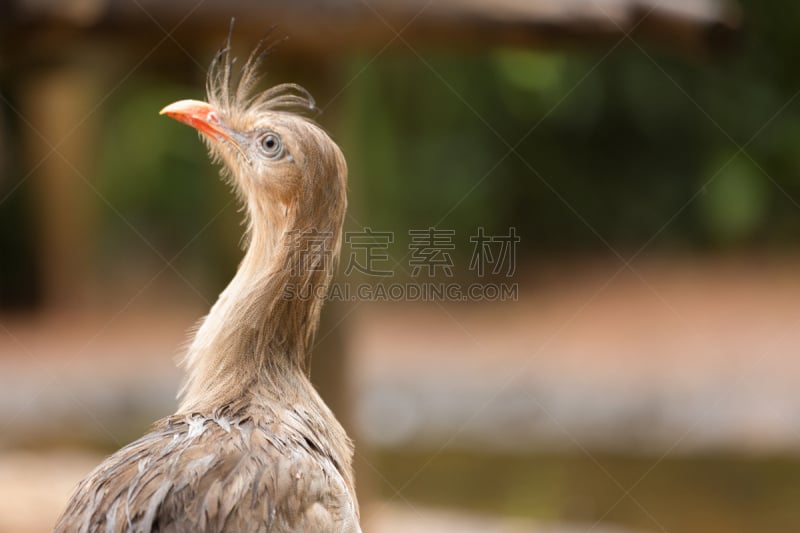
(271, 145)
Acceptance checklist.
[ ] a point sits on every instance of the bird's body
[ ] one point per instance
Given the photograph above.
(248, 468)
(252, 446)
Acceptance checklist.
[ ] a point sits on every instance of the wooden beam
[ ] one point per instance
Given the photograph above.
(334, 25)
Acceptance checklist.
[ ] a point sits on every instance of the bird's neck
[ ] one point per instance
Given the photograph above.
(257, 335)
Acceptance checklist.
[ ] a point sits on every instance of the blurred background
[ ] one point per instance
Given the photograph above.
(642, 377)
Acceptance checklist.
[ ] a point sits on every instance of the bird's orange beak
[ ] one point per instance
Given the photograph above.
(199, 115)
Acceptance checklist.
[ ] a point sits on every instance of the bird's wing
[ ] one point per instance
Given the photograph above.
(213, 474)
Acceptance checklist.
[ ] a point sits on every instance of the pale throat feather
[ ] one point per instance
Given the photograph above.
(255, 332)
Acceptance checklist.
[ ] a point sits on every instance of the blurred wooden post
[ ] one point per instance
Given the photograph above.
(331, 367)
(56, 108)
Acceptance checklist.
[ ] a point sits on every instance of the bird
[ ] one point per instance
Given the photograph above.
(252, 446)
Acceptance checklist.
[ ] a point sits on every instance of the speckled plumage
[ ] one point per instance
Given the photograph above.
(252, 447)
(246, 470)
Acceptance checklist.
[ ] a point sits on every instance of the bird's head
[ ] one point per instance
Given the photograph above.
(285, 167)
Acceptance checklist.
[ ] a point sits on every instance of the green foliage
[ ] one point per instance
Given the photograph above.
(156, 174)
(619, 148)
(735, 199)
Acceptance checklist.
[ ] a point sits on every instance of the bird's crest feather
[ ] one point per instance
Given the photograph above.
(231, 90)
